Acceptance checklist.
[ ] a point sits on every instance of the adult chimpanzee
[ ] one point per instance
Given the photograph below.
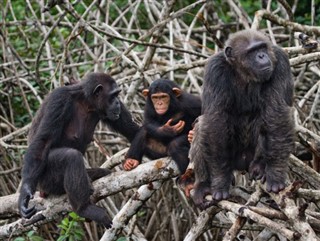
(168, 117)
(246, 121)
(59, 135)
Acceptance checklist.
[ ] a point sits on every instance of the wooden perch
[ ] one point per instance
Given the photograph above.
(288, 220)
(299, 222)
(160, 169)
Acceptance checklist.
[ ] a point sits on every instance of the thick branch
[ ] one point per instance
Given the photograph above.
(160, 169)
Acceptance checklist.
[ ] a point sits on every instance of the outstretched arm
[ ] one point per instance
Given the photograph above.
(136, 150)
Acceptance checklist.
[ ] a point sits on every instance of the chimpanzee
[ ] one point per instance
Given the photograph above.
(168, 116)
(58, 139)
(246, 121)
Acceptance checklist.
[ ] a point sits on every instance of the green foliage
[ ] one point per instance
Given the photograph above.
(303, 12)
(70, 228)
(30, 236)
(251, 6)
(122, 239)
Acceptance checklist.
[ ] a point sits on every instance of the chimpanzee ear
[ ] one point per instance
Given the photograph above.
(228, 52)
(97, 90)
(177, 91)
(145, 93)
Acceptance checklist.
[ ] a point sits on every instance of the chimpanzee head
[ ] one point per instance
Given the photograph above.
(162, 96)
(251, 54)
(102, 92)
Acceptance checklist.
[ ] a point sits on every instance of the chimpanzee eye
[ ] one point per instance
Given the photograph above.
(112, 98)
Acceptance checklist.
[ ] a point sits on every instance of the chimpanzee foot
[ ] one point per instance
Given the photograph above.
(273, 186)
(201, 190)
(220, 194)
(107, 223)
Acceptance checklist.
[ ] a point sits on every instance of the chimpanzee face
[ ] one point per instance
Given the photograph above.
(259, 61)
(113, 107)
(106, 100)
(161, 96)
(161, 102)
(252, 57)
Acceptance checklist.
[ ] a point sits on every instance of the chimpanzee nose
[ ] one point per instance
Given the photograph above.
(262, 58)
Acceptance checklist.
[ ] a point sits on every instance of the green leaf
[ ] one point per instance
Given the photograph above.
(65, 222)
(19, 239)
(63, 227)
(62, 238)
(79, 231)
(30, 233)
(75, 224)
(122, 239)
(36, 238)
(73, 215)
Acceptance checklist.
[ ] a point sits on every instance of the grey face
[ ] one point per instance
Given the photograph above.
(114, 109)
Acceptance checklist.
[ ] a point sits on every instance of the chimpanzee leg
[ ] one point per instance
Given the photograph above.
(178, 149)
(71, 175)
(52, 178)
(52, 181)
(96, 173)
(78, 188)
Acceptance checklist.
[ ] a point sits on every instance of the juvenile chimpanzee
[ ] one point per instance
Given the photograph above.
(246, 121)
(168, 116)
(59, 135)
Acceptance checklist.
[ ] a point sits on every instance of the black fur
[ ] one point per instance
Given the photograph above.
(246, 121)
(186, 107)
(59, 135)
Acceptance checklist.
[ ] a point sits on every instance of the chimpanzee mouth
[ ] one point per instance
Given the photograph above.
(161, 111)
(111, 116)
(266, 69)
(114, 116)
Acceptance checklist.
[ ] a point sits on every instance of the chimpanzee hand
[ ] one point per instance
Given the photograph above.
(186, 181)
(190, 135)
(130, 164)
(176, 129)
(25, 195)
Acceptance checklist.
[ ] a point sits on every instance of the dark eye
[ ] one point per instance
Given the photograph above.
(112, 98)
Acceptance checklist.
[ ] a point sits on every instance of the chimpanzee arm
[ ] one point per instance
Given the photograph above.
(199, 163)
(125, 124)
(283, 77)
(191, 105)
(217, 100)
(163, 132)
(278, 136)
(58, 110)
(138, 145)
